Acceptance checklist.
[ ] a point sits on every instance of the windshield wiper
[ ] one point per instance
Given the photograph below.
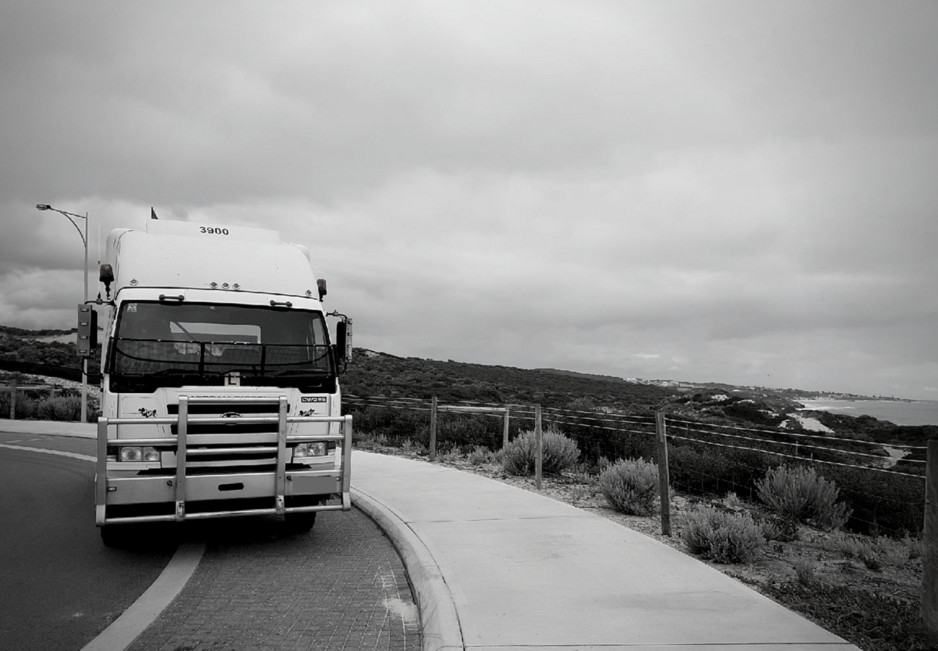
(313, 372)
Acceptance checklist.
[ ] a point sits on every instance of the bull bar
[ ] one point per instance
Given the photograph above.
(176, 488)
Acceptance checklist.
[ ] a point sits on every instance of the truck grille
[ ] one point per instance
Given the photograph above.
(233, 410)
(225, 457)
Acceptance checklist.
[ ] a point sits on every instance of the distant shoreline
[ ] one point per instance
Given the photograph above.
(908, 413)
(813, 397)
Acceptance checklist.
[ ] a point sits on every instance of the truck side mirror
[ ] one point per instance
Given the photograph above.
(87, 330)
(343, 341)
(341, 336)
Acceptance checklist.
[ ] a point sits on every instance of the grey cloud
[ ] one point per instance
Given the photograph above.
(728, 191)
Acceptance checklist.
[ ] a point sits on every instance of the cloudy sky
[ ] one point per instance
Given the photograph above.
(730, 191)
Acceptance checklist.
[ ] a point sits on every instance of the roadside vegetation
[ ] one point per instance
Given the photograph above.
(64, 404)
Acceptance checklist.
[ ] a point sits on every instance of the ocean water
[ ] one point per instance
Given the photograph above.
(900, 412)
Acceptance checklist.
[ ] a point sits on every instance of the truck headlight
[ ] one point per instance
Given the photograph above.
(133, 453)
(317, 449)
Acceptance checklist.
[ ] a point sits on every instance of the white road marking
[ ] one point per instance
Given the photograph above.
(71, 455)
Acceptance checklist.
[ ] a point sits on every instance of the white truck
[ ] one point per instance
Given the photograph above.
(220, 392)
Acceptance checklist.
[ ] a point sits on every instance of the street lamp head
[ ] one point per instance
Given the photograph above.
(43, 206)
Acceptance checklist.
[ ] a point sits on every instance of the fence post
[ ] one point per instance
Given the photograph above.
(13, 398)
(929, 595)
(505, 429)
(433, 410)
(664, 479)
(539, 454)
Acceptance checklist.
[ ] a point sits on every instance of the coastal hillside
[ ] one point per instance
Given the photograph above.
(374, 373)
(51, 353)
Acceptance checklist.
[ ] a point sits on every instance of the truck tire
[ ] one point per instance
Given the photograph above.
(114, 536)
(300, 522)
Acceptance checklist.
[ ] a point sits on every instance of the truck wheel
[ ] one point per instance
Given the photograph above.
(300, 522)
(113, 536)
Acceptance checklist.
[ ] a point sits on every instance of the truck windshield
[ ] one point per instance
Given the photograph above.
(159, 344)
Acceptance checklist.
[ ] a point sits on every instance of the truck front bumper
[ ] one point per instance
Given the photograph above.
(122, 498)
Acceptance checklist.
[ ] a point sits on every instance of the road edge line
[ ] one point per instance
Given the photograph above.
(148, 606)
(59, 453)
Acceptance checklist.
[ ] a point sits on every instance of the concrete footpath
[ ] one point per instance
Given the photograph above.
(497, 567)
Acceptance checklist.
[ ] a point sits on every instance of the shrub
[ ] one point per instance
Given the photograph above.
(631, 486)
(480, 455)
(805, 572)
(413, 447)
(778, 528)
(60, 408)
(25, 408)
(560, 453)
(875, 553)
(798, 494)
(722, 537)
(453, 456)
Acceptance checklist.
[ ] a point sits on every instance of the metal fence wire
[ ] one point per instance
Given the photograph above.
(884, 485)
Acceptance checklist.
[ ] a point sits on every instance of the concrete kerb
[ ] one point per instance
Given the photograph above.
(439, 620)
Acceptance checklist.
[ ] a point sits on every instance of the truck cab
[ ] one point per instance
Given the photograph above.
(220, 389)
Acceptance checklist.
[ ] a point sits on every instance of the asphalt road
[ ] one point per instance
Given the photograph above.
(59, 585)
(341, 586)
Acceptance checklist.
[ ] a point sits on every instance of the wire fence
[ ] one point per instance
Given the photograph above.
(884, 484)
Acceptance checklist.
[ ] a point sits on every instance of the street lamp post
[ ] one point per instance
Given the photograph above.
(84, 240)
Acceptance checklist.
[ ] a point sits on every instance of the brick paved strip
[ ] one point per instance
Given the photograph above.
(439, 618)
(340, 586)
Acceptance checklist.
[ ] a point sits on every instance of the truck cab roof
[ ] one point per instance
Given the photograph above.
(174, 254)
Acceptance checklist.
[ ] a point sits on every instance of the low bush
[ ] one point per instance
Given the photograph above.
(60, 408)
(631, 486)
(874, 552)
(778, 528)
(410, 446)
(805, 572)
(559, 454)
(25, 408)
(480, 455)
(722, 537)
(799, 494)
